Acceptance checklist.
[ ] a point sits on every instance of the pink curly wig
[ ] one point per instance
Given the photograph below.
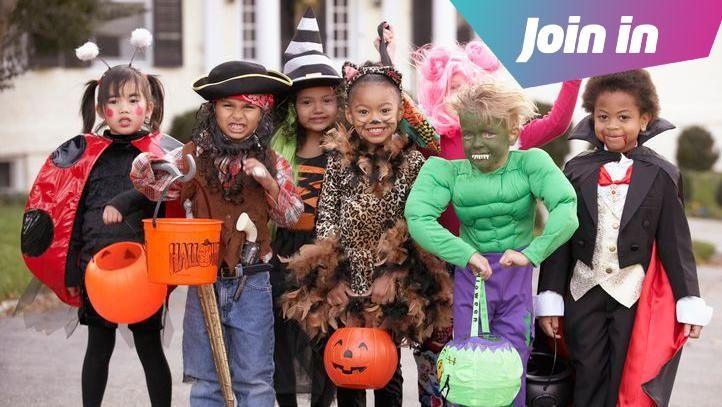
(437, 65)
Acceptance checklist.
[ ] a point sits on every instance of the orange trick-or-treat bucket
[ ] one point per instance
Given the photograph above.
(360, 358)
(182, 251)
(118, 285)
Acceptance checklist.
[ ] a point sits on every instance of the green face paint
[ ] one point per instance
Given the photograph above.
(486, 145)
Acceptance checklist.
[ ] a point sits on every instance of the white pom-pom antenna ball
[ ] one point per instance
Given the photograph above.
(87, 51)
(141, 38)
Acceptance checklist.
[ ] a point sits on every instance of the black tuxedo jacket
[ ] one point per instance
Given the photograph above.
(653, 212)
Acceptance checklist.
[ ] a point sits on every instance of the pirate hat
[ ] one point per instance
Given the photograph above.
(304, 60)
(240, 77)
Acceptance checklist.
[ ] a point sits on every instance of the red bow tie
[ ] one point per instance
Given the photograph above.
(605, 179)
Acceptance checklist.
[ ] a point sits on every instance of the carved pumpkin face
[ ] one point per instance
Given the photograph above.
(360, 358)
(205, 253)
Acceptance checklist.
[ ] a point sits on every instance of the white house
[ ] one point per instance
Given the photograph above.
(192, 36)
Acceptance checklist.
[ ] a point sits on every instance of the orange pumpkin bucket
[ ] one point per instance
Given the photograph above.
(182, 251)
(118, 286)
(360, 358)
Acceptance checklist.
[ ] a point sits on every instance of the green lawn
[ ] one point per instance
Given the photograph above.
(14, 276)
(704, 188)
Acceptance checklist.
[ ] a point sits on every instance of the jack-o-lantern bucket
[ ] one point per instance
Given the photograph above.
(360, 358)
(118, 285)
(182, 251)
(482, 370)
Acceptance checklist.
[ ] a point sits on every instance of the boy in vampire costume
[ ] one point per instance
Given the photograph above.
(619, 321)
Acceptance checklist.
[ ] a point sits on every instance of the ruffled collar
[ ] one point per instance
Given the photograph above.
(377, 165)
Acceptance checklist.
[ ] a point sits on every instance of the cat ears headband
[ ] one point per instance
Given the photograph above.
(140, 38)
(353, 72)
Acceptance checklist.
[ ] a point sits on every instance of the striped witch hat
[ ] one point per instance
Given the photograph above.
(304, 60)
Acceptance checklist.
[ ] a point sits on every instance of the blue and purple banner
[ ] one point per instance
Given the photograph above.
(549, 41)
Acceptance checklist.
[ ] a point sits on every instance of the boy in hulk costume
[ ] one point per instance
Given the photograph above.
(494, 193)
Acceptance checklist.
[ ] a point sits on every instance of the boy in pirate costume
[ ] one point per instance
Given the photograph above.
(494, 193)
(236, 173)
(629, 266)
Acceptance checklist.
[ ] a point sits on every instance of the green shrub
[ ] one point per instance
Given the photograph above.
(695, 149)
(182, 126)
(703, 251)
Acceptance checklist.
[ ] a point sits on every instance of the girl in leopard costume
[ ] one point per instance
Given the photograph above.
(363, 269)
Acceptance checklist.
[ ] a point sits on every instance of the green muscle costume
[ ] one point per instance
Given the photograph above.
(496, 209)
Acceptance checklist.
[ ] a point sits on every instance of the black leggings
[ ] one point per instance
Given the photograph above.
(101, 342)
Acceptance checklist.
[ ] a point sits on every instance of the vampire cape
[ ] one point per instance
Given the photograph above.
(53, 202)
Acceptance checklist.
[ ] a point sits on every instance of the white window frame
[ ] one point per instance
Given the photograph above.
(332, 8)
(245, 43)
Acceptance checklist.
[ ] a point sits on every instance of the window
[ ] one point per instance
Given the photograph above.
(338, 39)
(110, 45)
(248, 14)
(168, 33)
(464, 32)
(5, 175)
(113, 36)
(421, 22)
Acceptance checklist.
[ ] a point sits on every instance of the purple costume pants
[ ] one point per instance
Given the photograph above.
(509, 304)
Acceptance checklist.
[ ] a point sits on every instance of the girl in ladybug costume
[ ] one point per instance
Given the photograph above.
(83, 201)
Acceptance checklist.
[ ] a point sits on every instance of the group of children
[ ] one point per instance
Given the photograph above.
(361, 223)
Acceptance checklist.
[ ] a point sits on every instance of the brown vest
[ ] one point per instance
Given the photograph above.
(254, 204)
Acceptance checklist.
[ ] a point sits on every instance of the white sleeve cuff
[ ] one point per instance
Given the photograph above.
(548, 304)
(693, 311)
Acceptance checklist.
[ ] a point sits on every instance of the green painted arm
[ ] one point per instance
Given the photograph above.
(429, 197)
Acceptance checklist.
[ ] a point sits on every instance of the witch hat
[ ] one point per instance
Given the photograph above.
(304, 60)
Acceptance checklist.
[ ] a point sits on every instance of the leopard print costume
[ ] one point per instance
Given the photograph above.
(358, 217)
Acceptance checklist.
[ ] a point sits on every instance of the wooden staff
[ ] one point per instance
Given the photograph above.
(212, 318)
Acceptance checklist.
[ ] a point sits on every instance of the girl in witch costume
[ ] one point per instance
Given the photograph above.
(311, 109)
(78, 202)
(494, 192)
(631, 219)
(363, 269)
(236, 173)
